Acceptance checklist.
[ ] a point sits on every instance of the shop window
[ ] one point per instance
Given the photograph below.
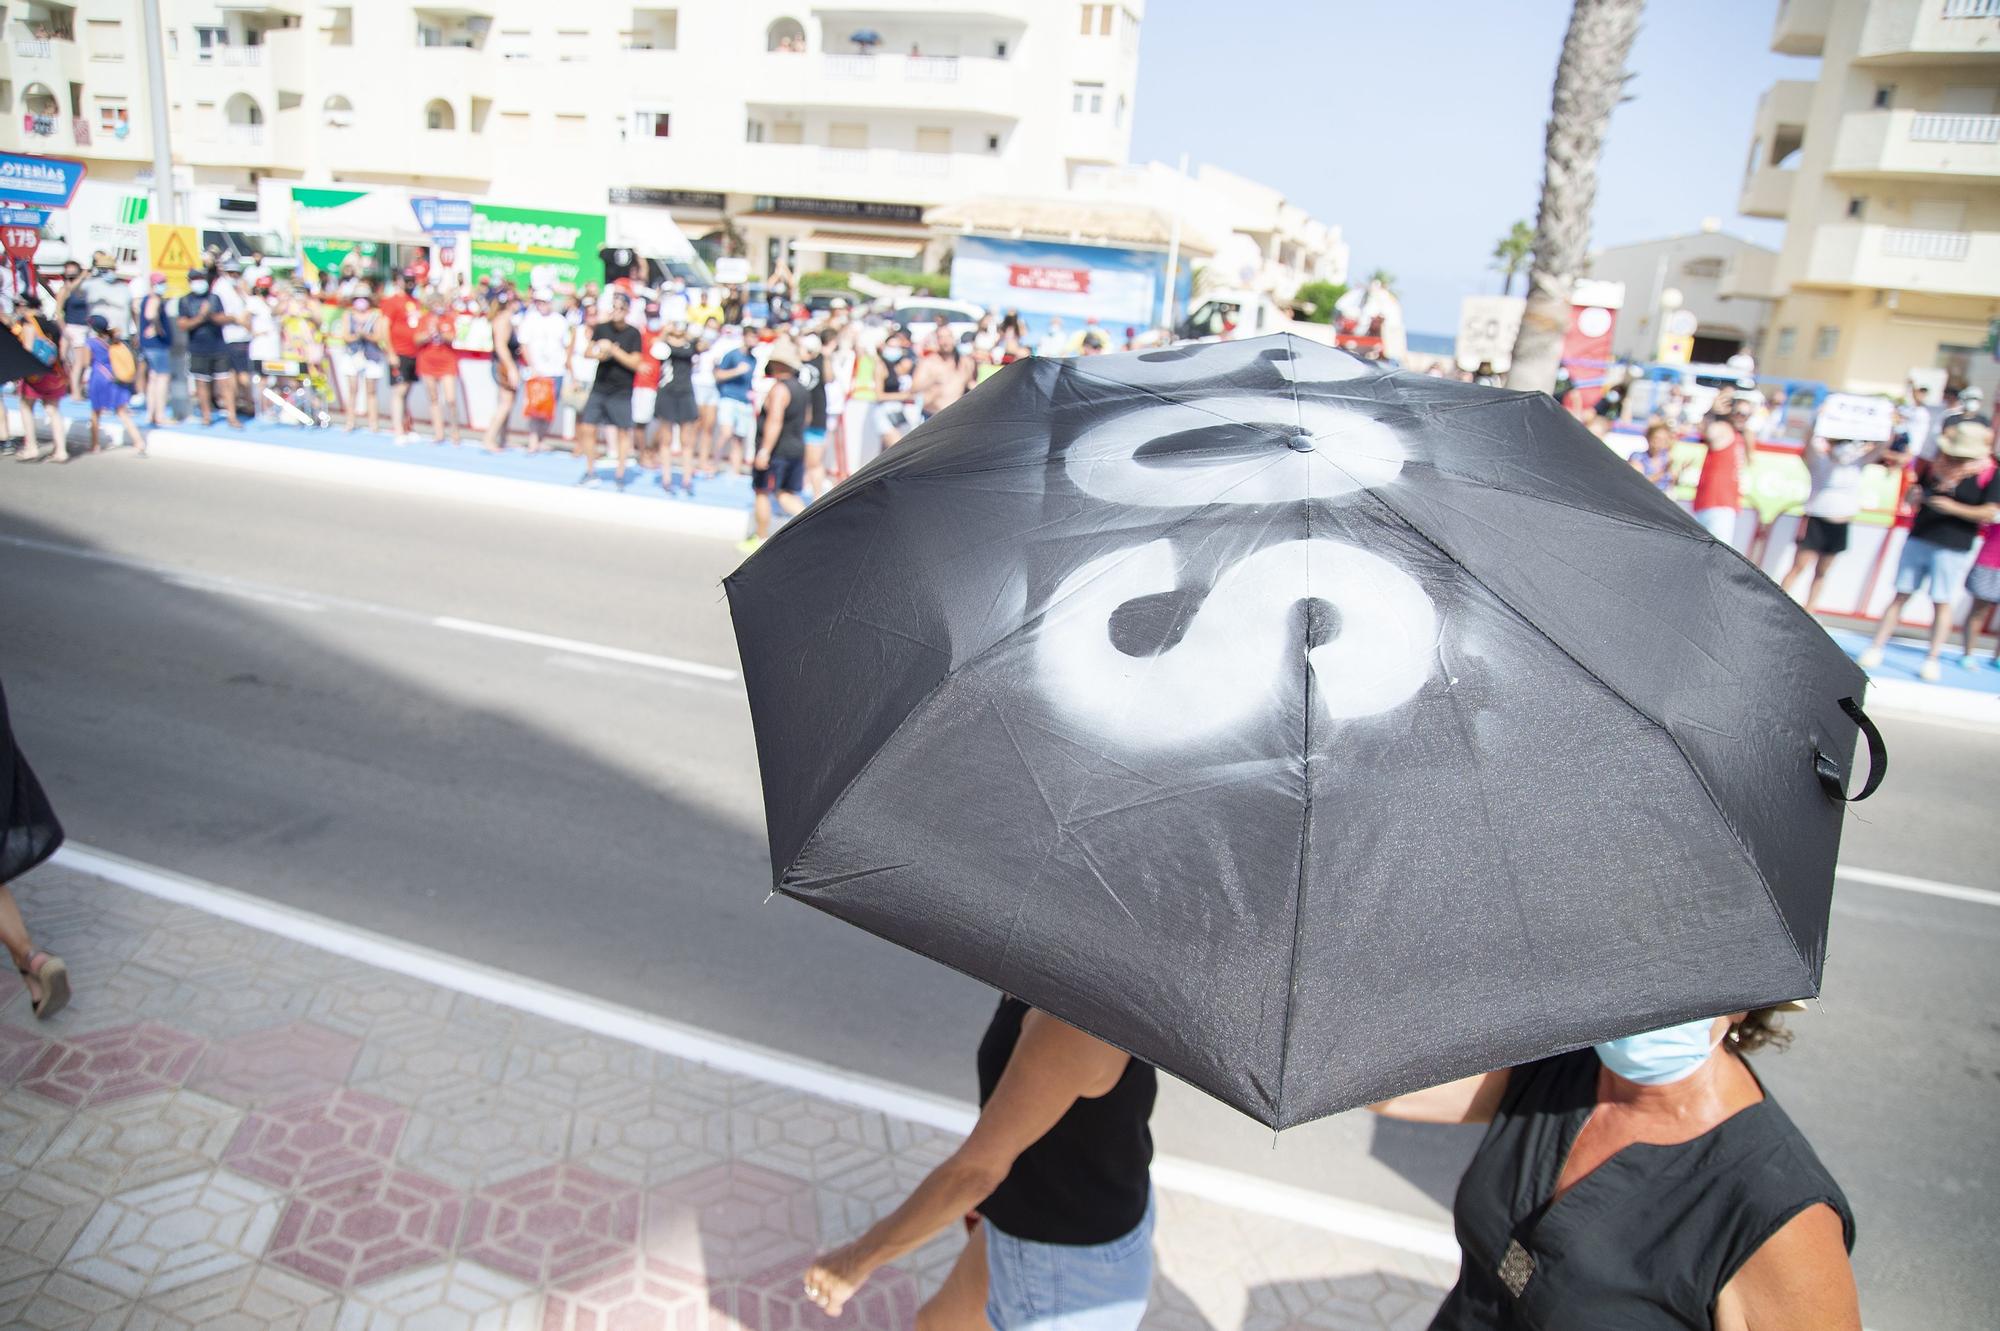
(1826, 341)
(1788, 341)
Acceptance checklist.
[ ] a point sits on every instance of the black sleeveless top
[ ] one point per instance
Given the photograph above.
(792, 430)
(1086, 1180)
(1646, 1240)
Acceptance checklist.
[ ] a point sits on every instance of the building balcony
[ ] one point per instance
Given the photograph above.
(888, 174)
(1942, 263)
(1916, 144)
(894, 82)
(231, 143)
(53, 61)
(1930, 32)
(1801, 27)
(1750, 275)
(46, 135)
(464, 70)
(1767, 192)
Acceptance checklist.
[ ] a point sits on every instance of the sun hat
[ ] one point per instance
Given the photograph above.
(1967, 439)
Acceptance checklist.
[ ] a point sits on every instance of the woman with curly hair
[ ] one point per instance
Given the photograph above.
(1644, 1182)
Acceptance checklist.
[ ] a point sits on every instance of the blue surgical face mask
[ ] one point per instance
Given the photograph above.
(1659, 1058)
(891, 355)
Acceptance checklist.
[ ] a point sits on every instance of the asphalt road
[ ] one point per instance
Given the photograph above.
(242, 678)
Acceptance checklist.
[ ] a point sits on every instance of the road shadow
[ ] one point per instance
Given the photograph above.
(1430, 1156)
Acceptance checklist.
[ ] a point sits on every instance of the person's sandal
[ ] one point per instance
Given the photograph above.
(55, 984)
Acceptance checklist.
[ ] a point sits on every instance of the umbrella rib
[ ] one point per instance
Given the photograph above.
(1757, 870)
(1305, 819)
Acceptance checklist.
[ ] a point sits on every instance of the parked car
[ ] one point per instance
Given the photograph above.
(918, 315)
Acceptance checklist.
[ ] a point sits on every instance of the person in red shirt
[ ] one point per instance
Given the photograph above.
(437, 365)
(646, 387)
(1719, 493)
(402, 310)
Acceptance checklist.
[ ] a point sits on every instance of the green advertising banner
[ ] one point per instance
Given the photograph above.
(518, 243)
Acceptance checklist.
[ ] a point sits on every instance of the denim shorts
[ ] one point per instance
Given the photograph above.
(1931, 569)
(1069, 1287)
(159, 360)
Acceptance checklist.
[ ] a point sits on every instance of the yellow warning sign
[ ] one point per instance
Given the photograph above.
(172, 250)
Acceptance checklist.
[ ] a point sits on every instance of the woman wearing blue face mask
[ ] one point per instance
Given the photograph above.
(1646, 1182)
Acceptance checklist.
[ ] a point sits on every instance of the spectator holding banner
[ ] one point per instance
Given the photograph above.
(1850, 433)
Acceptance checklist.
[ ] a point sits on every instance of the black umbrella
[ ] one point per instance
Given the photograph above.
(1312, 732)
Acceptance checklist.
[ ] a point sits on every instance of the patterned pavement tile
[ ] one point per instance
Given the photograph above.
(174, 1232)
(276, 1063)
(655, 1130)
(481, 1134)
(19, 1051)
(639, 1294)
(28, 1123)
(114, 1064)
(111, 997)
(367, 1226)
(250, 1298)
(61, 1302)
(854, 1198)
(803, 1135)
(1369, 1301)
(455, 1296)
(196, 944)
(313, 1138)
(241, 1002)
(775, 1300)
(730, 1221)
(431, 1058)
(575, 1070)
(106, 1148)
(552, 1223)
(39, 1218)
(368, 1002)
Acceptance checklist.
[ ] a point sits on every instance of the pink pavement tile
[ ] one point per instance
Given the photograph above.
(366, 1226)
(315, 1138)
(114, 1064)
(775, 1300)
(19, 1051)
(276, 1063)
(731, 1221)
(552, 1223)
(636, 1294)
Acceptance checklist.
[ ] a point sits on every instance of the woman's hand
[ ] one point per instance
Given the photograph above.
(832, 1280)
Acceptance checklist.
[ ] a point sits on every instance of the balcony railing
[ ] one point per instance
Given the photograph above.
(1940, 128)
(1972, 8)
(34, 48)
(41, 126)
(855, 67)
(844, 159)
(243, 136)
(913, 68)
(930, 68)
(1904, 243)
(924, 163)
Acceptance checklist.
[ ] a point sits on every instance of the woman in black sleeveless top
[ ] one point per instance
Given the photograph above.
(1644, 1183)
(1056, 1168)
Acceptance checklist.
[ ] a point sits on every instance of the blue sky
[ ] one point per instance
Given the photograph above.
(1417, 127)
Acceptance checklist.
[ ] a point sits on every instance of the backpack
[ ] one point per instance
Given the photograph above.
(124, 368)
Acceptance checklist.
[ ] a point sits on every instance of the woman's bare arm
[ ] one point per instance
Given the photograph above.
(1799, 1280)
(1052, 1067)
(1468, 1100)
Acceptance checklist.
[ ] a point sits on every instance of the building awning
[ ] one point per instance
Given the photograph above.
(843, 242)
(1075, 221)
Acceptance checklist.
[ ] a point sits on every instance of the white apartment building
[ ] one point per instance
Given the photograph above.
(1886, 169)
(1675, 283)
(764, 117)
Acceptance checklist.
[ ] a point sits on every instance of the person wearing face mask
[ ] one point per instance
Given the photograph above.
(75, 305)
(201, 317)
(895, 391)
(1646, 1182)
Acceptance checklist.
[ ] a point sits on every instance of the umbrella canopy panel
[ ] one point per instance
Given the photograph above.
(1311, 732)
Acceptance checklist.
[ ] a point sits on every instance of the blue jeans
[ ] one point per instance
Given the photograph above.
(1069, 1287)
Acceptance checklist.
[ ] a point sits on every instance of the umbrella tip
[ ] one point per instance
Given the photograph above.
(1303, 443)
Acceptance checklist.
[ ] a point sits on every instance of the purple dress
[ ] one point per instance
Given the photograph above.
(106, 393)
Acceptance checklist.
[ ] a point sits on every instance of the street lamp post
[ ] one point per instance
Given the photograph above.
(163, 191)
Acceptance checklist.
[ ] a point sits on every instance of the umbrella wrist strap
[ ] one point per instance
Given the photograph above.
(1833, 780)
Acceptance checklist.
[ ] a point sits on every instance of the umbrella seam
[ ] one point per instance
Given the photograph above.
(1670, 529)
(1305, 817)
(1756, 869)
(1070, 367)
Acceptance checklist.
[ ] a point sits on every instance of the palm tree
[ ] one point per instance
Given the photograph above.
(1590, 82)
(1386, 278)
(1510, 256)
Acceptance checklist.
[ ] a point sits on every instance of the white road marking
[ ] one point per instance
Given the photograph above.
(1226, 1187)
(577, 648)
(1904, 883)
(292, 598)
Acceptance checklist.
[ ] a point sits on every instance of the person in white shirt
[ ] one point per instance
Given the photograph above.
(236, 340)
(265, 344)
(1055, 342)
(545, 348)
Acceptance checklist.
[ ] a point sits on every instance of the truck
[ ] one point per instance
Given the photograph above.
(1222, 316)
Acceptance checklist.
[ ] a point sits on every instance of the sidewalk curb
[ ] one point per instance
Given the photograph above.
(1934, 702)
(1332, 1215)
(436, 482)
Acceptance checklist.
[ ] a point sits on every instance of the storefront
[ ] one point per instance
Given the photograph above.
(846, 235)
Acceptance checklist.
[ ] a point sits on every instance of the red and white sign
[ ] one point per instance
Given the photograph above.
(1035, 277)
(21, 241)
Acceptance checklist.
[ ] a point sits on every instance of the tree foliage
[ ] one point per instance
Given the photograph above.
(1315, 301)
